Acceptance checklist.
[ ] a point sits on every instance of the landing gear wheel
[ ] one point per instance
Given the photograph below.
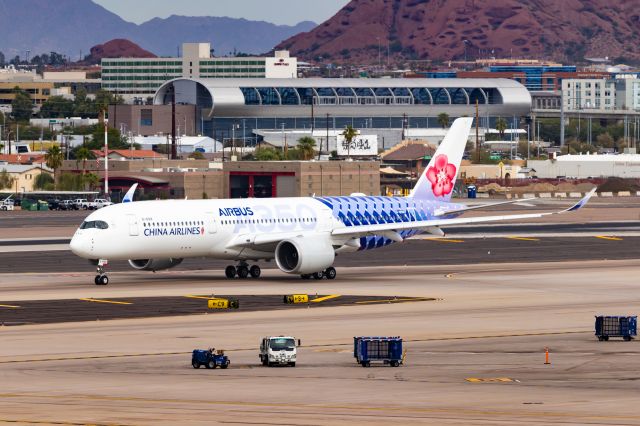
(96, 280)
(318, 275)
(230, 272)
(243, 271)
(255, 271)
(305, 276)
(330, 273)
(101, 280)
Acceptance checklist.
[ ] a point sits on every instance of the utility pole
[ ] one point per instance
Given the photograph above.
(477, 133)
(106, 160)
(328, 136)
(561, 119)
(174, 151)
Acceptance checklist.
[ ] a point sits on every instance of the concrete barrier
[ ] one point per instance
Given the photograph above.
(545, 195)
(624, 194)
(509, 196)
(560, 195)
(637, 193)
(482, 195)
(606, 194)
(575, 194)
(529, 196)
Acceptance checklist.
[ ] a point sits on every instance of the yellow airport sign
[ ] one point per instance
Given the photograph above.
(296, 298)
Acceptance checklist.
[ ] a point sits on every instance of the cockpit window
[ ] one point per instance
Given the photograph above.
(98, 224)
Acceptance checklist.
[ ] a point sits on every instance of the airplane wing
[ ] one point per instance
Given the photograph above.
(482, 206)
(427, 225)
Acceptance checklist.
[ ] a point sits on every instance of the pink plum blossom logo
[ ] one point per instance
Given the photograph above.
(441, 175)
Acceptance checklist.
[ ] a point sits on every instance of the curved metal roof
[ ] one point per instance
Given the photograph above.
(227, 99)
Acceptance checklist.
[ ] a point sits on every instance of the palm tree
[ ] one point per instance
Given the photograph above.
(501, 126)
(349, 133)
(306, 146)
(443, 120)
(53, 158)
(91, 179)
(83, 154)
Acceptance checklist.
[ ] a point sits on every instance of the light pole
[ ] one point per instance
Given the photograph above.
(465, 42)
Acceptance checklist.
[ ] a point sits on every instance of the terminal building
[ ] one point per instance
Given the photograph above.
(139, 78)
(244, 108)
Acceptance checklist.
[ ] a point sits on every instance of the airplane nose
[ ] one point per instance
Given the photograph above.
(78, 246)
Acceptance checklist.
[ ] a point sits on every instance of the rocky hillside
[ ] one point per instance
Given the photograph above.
(118, 48)
(437, 29)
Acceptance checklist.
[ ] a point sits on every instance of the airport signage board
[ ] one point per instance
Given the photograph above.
(361, 146)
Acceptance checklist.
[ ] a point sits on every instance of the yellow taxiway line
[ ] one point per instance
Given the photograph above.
(191, 296)
(604, 237)
(444, 240)
(322, 299)
(112, 302)
(10, 306)
(403, 300)
(489, 380)
(523, 239)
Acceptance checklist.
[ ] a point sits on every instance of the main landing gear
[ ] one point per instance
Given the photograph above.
(329, 273)
(101, 277)
(242, 271)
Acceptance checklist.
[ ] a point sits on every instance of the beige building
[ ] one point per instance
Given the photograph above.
(236, 179)
(153, 120)
(24, 176)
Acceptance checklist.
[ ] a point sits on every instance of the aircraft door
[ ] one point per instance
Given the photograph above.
(211, 223)
(133, 224)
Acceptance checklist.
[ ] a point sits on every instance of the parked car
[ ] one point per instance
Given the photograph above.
(54, 204)
(81, 203)
(99, 203)
(67, 205)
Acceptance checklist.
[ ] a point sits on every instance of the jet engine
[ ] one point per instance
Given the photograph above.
(304, 255)
(154, 264)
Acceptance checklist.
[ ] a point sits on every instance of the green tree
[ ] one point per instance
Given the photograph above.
(115, 140)
(70, 182)
(104, 98)
(443, 120)
(306, 146)
(53, 158)
(349, 134)
(83, 154)
(57, 107)
(267, 154)
(21, 106)
(44, 182)
(501, 126)
(6, 180)
(605, 140)
(90, 181)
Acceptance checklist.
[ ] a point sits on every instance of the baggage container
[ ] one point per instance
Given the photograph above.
(386, 350)
(616, 326)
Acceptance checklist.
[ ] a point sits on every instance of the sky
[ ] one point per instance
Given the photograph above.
(288, 12)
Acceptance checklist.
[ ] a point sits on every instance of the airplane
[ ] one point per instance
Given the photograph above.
(303, 235)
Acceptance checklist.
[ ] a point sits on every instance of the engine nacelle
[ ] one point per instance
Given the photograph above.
(154, 264)
(304, 255)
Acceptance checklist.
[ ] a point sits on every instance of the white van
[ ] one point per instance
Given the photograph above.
(280, 350)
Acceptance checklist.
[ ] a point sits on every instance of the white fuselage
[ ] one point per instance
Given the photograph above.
(240, 229)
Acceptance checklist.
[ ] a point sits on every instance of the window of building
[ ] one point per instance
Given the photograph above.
(146, 117)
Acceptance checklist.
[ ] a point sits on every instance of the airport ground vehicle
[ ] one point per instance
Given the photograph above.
(67, 205)
(279, 350)
(209, 358)
(387, 350)
(616, 326)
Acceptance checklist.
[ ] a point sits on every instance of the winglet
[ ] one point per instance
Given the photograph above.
(128, 197)
(583, 202)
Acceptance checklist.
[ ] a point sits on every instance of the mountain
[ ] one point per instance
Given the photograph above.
(118, 48)
(365, 30)
(71, 27)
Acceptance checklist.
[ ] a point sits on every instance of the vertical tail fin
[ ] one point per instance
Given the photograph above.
(128, 197)
(439, 178)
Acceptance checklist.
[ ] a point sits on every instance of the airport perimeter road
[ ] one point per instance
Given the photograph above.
(447, 251)
(475, 356)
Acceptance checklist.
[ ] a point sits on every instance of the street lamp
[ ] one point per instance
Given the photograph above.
(465, 42)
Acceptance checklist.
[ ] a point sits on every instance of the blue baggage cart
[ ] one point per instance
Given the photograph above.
(616, 326)
(209, 358)
(387, 350)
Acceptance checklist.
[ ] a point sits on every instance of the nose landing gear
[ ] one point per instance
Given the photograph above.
(101, 277)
